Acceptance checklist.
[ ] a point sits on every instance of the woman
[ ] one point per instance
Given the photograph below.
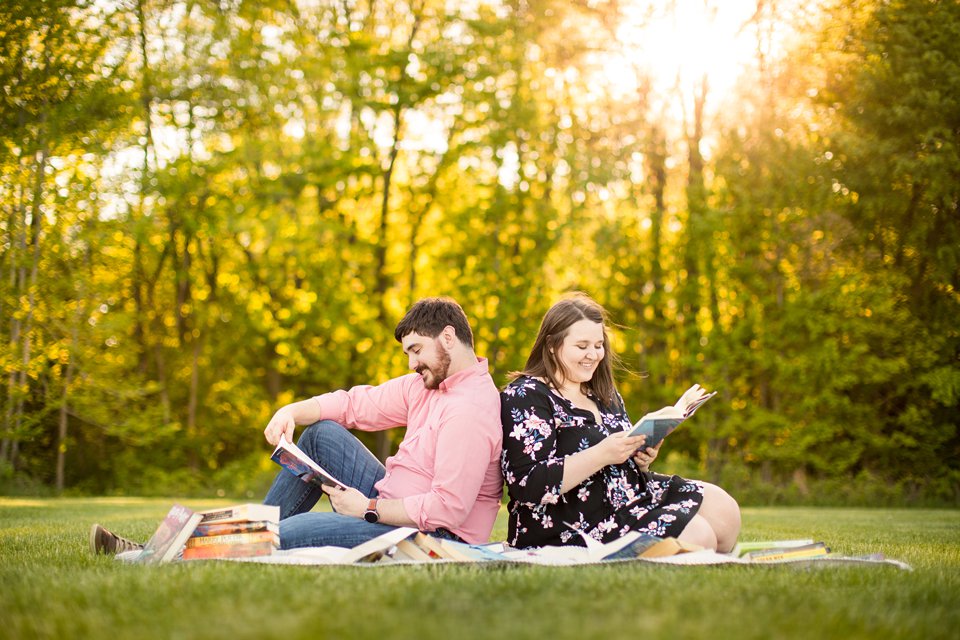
(570, 467)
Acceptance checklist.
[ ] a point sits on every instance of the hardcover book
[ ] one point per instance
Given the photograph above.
(743, 547)
(431, 546)
(241, 513)
(228, 528)
(407, 550)
(373, 550)
(470, 552)
(234, 538)
(249, 550)
(648, 546)
(165, 544)
(659, 424)
(817, 549)
(293, 459)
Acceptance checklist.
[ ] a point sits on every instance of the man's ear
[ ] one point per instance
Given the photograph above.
(449, 336)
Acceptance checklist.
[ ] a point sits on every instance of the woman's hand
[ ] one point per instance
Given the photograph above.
(618, 447)
(644, 457)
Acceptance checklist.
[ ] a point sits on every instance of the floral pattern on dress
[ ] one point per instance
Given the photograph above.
(542, 428)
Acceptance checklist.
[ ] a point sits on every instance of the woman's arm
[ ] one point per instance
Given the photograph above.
(614, 449)
(535, 470)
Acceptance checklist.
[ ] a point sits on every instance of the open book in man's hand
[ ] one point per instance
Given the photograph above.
(293, 459)
(659, 424)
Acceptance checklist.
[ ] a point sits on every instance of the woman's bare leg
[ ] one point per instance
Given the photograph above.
(699, 532)
(723, 515)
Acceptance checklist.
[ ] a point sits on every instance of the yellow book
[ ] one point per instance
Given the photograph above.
(814, 550)
(431, 546)
(407, 550)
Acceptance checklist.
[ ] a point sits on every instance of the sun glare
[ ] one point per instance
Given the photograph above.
(682, 42)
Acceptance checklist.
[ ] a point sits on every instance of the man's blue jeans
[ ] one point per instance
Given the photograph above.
(339, 452)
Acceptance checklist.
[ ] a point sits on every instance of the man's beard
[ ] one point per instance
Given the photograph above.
(436, 374)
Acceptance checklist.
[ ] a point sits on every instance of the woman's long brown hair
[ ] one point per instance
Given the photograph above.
(554, 327)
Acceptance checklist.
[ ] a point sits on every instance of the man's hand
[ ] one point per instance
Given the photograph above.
(283, 423)
(645, 457)
(348, 502)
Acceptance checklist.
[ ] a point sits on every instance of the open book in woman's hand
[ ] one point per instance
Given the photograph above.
(659, 424)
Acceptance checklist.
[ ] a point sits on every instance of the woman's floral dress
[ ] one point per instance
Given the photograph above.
(541, 428)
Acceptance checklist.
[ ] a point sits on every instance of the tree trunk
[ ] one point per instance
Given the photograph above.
(17, 250)
(36, 223)
(139, 329)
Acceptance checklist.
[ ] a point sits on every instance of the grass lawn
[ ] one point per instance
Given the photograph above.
(51, 587)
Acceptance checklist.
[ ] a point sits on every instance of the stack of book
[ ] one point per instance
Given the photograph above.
(242, 531)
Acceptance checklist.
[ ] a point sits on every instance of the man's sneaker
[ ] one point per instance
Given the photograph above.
(102, 541)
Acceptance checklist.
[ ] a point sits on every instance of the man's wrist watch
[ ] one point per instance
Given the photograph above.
(371, 515)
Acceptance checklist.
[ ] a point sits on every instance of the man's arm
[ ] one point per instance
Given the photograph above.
(286, 419)
(363, 407)
(350, 502)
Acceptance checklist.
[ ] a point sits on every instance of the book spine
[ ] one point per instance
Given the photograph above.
(229, 551)
(242, 513)
(226, 515)
(788, 555)
(225, 528)
(233, 538)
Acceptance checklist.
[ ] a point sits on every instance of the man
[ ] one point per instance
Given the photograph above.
(445, 478)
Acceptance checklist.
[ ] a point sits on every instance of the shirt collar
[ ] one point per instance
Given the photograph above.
(480, 368)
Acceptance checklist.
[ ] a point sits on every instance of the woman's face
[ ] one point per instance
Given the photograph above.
(581, 351)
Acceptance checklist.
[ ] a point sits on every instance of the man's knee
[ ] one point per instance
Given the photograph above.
(319, 433)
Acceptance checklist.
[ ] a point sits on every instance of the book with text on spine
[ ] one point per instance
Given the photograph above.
(234, 538)
(228, 528)
(293, 459)
(241, 513)
(248, 550)
(659, 424)
(815, 550)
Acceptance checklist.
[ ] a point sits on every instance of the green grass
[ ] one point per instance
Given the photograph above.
(51, 587)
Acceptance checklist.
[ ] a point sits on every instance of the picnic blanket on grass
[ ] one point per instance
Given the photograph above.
(386, 550)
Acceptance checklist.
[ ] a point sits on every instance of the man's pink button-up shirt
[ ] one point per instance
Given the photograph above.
(447, 470)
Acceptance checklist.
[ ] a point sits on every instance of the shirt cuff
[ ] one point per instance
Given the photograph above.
(413, 505)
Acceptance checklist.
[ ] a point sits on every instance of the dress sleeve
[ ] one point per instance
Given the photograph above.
(531, 463)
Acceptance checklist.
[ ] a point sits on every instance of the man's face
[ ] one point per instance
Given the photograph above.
(428, 357)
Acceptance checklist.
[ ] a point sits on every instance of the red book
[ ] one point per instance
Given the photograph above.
(263, 548)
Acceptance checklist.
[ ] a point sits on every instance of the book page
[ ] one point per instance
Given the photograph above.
(292, 458)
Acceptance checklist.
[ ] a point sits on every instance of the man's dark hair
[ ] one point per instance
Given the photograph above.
(429, 316)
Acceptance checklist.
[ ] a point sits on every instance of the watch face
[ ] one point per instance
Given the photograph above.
(371, 517)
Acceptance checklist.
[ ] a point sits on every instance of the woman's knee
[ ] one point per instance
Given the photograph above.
(699, 532)
(721, 510)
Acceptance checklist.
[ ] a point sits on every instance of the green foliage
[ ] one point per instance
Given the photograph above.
(211, 209)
